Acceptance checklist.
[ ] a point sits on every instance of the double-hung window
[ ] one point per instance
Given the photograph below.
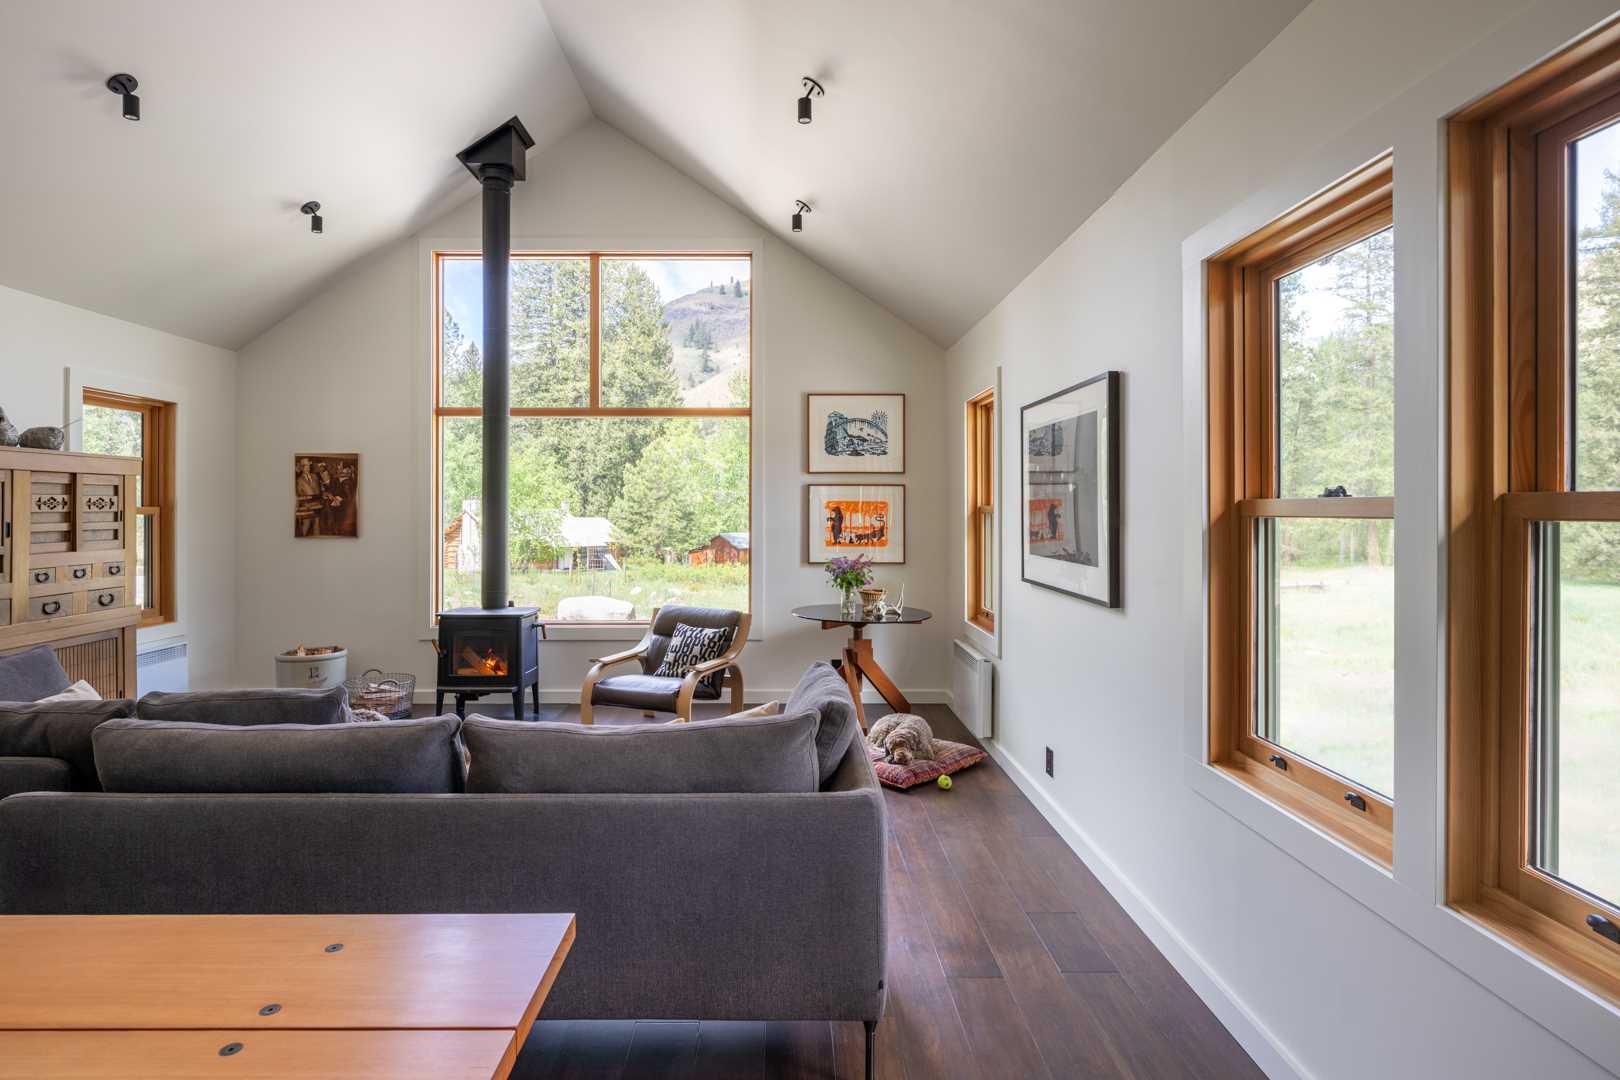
(142, 427)
(981, 511)
(629, 446)
(1534, 548)
(1301, 483)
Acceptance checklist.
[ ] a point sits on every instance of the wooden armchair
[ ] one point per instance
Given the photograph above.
(658, 693)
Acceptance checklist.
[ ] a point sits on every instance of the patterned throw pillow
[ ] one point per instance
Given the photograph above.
(690, 646)
(949, 757)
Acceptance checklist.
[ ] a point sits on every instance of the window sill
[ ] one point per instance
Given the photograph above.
(1580, 958)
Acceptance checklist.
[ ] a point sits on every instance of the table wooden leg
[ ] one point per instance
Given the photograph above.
(859, 653)
(851, 669)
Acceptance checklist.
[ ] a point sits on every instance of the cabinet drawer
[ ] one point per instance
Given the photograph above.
(48, 607)
(111, 569)
(102, 599)
(74, 575)
(42, 575)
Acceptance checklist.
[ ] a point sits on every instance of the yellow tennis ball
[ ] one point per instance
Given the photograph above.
(945, 783)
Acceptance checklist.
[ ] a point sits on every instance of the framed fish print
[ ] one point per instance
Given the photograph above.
(856, 519)
(855, 433)
(1070, 490)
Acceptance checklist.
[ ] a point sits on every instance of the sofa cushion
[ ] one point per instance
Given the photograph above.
(760, 754)
(31, 674)
(34, 774)
(59, 729)
(247, 708)
(387, 757)
(824, 690)
(79, 691)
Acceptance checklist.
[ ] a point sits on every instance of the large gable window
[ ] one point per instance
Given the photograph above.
(631, 411)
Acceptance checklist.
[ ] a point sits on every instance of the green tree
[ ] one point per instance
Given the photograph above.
(1593, 552)
(1336, 406)
(688, 485)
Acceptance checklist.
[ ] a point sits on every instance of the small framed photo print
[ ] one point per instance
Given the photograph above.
(1070, 488)
(857, 519)
(855, 433)
(326, 495)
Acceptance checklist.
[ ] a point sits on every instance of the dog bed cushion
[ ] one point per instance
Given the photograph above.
(951, 757)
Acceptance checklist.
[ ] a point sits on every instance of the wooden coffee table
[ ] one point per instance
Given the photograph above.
(857, 662)
(273, 995)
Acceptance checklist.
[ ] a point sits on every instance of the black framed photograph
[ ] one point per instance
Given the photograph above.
(855, 433)
(1070, 490)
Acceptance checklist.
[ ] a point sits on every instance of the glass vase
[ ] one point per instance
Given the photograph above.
(850, 606)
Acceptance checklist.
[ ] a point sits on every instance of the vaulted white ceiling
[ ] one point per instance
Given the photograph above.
(959, 142)
(188, 220)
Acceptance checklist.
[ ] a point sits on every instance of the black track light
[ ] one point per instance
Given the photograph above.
(124, 85)
(313, 209)
(810, 87)
(798, 215)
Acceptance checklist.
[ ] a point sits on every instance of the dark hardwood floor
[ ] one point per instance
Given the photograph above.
(1007, 958)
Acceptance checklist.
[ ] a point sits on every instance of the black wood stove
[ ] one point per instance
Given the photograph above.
(494, 648)
(489, 651)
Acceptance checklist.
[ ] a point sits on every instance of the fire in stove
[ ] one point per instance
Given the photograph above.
(471, 662)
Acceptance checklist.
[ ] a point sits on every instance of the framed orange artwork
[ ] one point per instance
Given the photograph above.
(857, 519)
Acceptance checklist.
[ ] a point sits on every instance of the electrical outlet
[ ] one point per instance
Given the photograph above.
(1049, 761)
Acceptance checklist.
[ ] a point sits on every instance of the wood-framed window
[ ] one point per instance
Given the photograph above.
(116, 423)
(981, 510)
(1533, 816)
(631, 410)
(1301, 514)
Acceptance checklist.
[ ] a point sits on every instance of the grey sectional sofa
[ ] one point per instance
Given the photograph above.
(688, 906)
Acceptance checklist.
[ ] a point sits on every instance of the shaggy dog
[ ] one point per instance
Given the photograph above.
(903, 738)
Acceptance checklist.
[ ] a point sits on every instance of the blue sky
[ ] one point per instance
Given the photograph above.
(464, 292)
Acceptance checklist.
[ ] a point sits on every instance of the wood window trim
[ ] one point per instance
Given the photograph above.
(595, 407)
(1507, 394)
(1242, 469)
(157, 479)
(981, 472)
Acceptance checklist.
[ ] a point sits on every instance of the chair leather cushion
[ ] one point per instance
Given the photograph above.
(645, 692)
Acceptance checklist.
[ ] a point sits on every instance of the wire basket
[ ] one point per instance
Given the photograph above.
(387, 692)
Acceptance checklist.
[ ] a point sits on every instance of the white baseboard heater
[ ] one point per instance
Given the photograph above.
(973, 688)
(162, 667)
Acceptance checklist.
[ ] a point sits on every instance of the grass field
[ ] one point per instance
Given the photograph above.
(1337, 695)
(646, 585)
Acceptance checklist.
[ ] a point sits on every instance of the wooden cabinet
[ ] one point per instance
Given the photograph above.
(67, 539)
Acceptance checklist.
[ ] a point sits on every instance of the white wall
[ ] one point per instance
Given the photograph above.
(48, 349)
(349, 372)
(1322, 964)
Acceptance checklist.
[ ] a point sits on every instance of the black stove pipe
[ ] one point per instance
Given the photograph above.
(497, 182)
(497, 160)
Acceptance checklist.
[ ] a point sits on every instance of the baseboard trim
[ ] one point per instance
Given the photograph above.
(753, 696)
(1261, 1044)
